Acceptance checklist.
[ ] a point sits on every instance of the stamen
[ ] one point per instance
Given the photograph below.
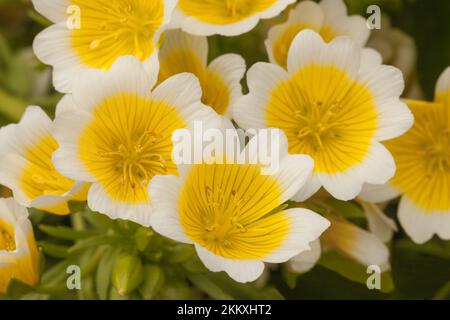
(7, 241)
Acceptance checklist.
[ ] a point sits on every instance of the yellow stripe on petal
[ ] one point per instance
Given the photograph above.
(115, 28)
(216, 93)
(226, 209)
(422, 157)
(325, 114)
(223, 12)
(40, 177)
(127, 142)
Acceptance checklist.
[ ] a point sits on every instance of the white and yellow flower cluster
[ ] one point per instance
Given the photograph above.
(129, 89)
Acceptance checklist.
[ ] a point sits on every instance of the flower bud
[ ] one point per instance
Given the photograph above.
(127, 274)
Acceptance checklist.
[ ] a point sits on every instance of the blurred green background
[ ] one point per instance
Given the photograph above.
(419, 272)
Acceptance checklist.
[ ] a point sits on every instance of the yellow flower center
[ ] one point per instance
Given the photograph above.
(110, 29)
(128, 142)
(326, 115)
(135, 159)
(227, 210)
(7, 241)
(423, 157)
(223, 11)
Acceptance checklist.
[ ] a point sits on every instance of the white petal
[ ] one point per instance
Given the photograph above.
(16, 138)
(306, 227)
(54, 10)
(52, 47)
(306, 260)
(421, 225)
(127, 75)
(378, 193)
(239, 270)
(262, 78)
(270, 149)
(443, 84)
(11, 211)
(194, 26)
(310, 188)
(164, 193)
(305, 13)
(65, 104)
(356, 243)
(68, 128)
(100, 201)
(333, 8)
(187, 98)
(379, 224)
(377, 168)
(386, 84)
(356, 28)
(231, 68)
(176, 40)
(308, 47)
(12, 167)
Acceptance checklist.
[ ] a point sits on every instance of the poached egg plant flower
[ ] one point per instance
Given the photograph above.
(336, 103)
(18, 250)
(115, 132)
(224, 17)
(220, 80)
(97, 33)
(423, 169)
(228, 210)
(26, 167)
(329, 19)
(348, 240)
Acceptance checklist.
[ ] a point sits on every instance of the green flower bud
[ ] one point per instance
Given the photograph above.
(153, 281)
(127, 274)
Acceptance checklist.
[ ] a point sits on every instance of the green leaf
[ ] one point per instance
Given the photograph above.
(240, 291)
(104, 271)
(65, 233)
(346, 209)
(16, 289)
(54, 250)
(209, 287)
(353, 271)
(87, 291)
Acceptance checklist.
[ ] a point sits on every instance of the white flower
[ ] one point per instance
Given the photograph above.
(97, 33)
(220, 80)
(329, 19)
(228, 211)
(26, 166)
(336, 103)
(348, 240)
(422, 179)
(225, 17)
(117, 134)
